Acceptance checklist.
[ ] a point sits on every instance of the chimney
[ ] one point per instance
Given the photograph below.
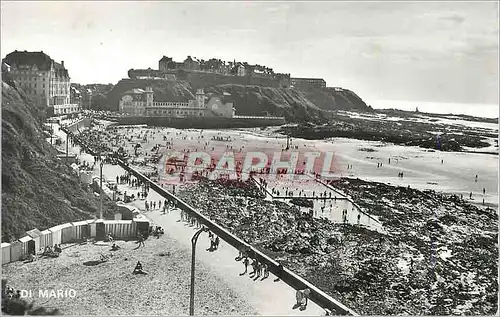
(62, 63)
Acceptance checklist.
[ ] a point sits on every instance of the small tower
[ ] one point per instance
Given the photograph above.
(200, 98)
(149, 97)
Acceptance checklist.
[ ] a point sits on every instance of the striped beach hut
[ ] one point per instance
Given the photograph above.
(27, 245)
(46, 239)
(16, 250)
(57, 233)
(82, 229)
(67, 233)
(5, 252)
(36, 235)
(120, 229)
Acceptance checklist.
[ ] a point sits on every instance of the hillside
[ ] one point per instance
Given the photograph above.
(37, 189)
(294, 104)
(331, 99)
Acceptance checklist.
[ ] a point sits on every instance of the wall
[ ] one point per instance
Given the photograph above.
(201, 123)
(80, 125)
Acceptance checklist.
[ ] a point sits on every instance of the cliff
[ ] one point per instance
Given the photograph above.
(37, 189)
(248, 99)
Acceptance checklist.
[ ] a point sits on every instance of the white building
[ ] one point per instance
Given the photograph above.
(139, 102)
(45, 81)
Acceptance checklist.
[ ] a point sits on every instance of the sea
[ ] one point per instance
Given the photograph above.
(471, 109)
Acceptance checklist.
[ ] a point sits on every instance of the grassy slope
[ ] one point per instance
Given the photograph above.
(37, 189)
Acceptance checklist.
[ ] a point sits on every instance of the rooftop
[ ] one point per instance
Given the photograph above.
(40, 59)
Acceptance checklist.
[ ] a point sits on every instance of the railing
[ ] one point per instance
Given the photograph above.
(318, 296)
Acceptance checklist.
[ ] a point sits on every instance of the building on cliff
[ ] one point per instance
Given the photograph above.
(139, 102)
(307, 82)
(45, 81)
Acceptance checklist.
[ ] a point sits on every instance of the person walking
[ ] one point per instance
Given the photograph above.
(301, 297)
(246, 261)
(266, 271)
(141, 240)
(217, 241)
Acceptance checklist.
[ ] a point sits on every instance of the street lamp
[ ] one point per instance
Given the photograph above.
(194, 239)
(67, 146)
(100, 195)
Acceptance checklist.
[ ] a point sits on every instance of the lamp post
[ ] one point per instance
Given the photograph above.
(194, 239)
(100, 195)
(67, 146)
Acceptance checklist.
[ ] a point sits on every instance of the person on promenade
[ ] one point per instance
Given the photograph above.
(254, 268)
(216, 242)
(245, 263)
(265, 268)
(301, 297)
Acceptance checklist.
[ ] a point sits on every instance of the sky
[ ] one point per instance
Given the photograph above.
(420, 51)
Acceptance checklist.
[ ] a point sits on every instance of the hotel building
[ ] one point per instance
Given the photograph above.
(45, 81)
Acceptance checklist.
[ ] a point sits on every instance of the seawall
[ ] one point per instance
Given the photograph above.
(200, 123)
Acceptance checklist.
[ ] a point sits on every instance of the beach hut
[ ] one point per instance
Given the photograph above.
(92, 228)
(142, 226)
(120, 229)
(16, 250)
(5, 252)
(100, 230)
(46, 239)
(82, 229)
(27, 245)
(57, 237)
(67, 233)
(35, 234)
